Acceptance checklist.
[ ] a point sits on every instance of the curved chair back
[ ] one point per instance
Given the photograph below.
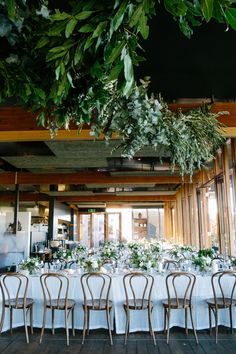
(14, 286)
(55, 287)
(180, 293)
(96, 288)
(170, 264)
(223, 286)
(138, 286)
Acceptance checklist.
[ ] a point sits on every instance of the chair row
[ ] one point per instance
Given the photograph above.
(96, 287)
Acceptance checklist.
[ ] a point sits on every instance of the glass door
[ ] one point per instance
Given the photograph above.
(85, 232)
(113, 227)
(98, 222)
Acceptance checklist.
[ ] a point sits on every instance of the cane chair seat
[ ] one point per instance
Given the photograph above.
(98, 304)
(19, 303)
(138, 304)
(221, 302)
(181, 304)
(61, 304)
(15, 298)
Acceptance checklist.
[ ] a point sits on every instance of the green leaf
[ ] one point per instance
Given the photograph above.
(86, 28)
(176, 7)
(116, 70)
(11, 9)
(53, 56)
(143, 27)
(118, 18)
(116, 52)
(100, 28)
(78, 55)
(230, 15)
(88, 42)
(83, 15)
(207, 9)
(70, 79)
(60, 16)
(39, 92)
(42, 42)
(129, 74)
(136, 16)
(70, 27)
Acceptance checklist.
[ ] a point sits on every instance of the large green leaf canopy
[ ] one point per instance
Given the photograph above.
(64, 61)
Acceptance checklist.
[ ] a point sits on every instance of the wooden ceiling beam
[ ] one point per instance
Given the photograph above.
(85, 177)
(29, 197)
(28, 130)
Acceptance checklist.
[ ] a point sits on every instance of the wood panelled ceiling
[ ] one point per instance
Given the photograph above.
(29, 157)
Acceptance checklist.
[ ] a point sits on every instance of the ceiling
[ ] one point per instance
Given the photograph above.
(68, 157)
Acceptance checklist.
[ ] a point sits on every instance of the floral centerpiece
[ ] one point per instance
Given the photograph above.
(31, 264)
(92, 263)
(109, 251)
(143, 259)
(202, 262)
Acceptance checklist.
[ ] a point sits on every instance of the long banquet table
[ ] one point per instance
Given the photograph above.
(139, 321)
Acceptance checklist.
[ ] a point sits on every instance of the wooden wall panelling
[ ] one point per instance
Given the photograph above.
(168, 232)
(195, 236)
(226, 178)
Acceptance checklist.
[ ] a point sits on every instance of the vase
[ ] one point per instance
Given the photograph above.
(25, 272)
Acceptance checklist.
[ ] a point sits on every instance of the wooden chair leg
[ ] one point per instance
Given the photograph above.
(73, 320)
(194, 331)
(210, 320)
(168, 325)
(53, 316)
(127, 324)
(2, 319)
(150, 325)
(85, 320)
(165, 315)
(31, 320)
(11, 315)
(108, 314)
(43, 325)
(88, 320)
(67, 328)
(216, 317)
(25, 323)
(186, 320)
(231, 319)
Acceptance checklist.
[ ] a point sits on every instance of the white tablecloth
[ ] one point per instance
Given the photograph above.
(139, 321)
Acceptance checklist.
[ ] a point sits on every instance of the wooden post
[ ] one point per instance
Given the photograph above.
(16, 209)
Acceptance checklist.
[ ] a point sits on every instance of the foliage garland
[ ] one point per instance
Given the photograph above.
(84, 46)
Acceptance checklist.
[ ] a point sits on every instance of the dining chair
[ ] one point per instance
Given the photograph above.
(179, 286)
(223, 287)
(96, 291)
(169, 264)
(55, 287)
(14, 288)
(138, 291)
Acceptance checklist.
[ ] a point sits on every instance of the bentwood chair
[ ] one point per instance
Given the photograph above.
(179, 286)
(170, 264)
(55, 288)
(223, 286)
(138, 291)
(14, 288)
(96, 290)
